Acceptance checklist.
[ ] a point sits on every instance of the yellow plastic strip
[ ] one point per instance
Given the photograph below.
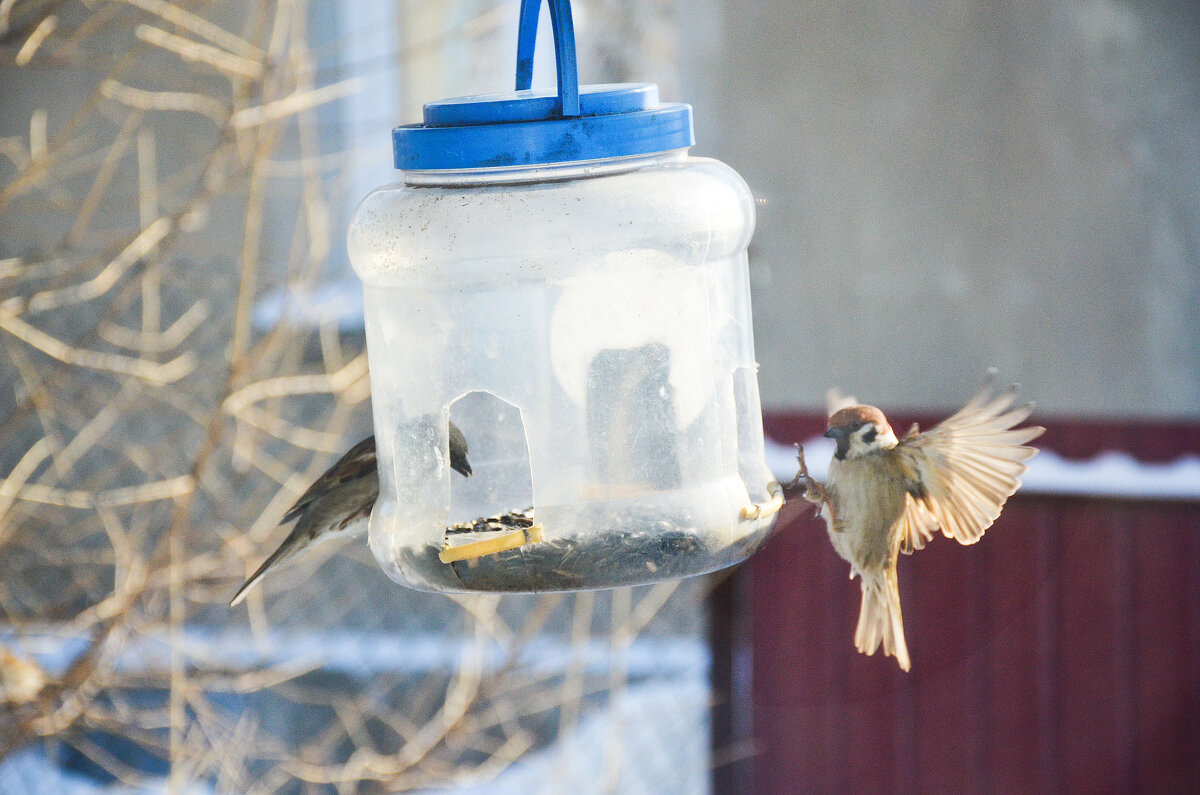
(761, 510)
(490, 546)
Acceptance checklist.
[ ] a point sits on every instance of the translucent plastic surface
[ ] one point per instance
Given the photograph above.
(588, 329)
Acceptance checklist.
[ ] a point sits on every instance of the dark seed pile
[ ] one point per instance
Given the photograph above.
(631, 553)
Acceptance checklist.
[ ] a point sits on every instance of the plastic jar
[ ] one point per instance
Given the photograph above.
(571, 291)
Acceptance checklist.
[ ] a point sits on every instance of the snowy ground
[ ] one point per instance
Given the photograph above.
(655, 730)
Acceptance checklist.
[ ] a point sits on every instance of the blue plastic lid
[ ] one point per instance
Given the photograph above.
(526, 127)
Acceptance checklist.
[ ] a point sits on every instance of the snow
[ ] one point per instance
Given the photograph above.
(656, 727)
(1112, 474)
(365, 653)
(32, 771)
(340, 302)
(653, 730)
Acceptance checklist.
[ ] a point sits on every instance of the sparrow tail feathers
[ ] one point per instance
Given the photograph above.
(286, 550)
(879, 619)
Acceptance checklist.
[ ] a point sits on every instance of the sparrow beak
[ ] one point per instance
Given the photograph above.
(843, 441)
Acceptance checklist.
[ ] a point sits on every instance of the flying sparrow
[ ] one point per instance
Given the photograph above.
(884, 495)
(339, 503)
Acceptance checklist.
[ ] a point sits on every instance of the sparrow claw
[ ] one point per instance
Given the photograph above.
(813, 491)
(802, 471)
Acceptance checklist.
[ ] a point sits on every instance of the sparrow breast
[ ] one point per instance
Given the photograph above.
(868, 495)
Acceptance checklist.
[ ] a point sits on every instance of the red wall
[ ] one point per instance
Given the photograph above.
(1061, 653)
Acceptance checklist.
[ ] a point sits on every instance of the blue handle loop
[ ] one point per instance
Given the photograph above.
(564, 51)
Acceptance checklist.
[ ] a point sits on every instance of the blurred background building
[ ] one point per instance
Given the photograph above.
(948, 186)
(945, 187)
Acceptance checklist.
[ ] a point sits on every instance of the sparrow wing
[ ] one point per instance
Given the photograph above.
(964, 469)
(358, 462)
(331, 515)
(917, 526)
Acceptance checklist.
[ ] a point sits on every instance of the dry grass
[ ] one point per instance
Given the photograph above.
(172, 167)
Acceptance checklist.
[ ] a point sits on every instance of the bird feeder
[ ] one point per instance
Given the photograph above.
(556, 276)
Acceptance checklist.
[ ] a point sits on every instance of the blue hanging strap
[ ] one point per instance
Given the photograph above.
(564, 51)
(526, 127)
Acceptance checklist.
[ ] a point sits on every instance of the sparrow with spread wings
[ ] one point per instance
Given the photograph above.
(884, 495)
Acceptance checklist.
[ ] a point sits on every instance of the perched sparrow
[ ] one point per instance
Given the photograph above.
(339, 503)
(884, 495)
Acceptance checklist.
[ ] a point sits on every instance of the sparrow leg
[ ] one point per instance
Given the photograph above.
(814, 492)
